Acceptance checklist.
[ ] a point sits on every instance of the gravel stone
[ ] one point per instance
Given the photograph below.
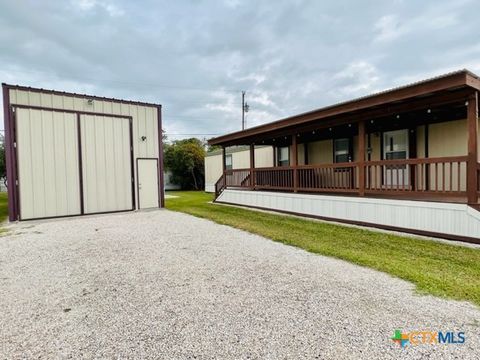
(161, 284)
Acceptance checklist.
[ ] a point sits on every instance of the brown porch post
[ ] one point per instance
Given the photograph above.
(295, 161)
(472, 174)
(361, 159)
(252, 165)
(224, 165)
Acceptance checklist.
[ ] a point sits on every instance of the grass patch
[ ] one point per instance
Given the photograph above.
(435, 268)
(3, 206)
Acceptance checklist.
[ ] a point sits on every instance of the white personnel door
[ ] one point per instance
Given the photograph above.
(395, 147)
(147, 183)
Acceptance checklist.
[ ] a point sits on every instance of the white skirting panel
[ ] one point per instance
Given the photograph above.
(435, 217)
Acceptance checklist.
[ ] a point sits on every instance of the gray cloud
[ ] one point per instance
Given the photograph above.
(194, 57)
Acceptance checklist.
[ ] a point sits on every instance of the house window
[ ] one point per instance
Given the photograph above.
(283, 156)
(228, 162)
(341, 150)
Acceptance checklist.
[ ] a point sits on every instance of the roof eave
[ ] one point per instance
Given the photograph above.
(425, 87)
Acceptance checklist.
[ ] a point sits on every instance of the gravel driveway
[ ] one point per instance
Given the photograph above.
(161, 284)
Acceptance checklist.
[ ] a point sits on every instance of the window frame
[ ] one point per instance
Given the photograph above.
(349, 149)
(280, 162)
(228, 166)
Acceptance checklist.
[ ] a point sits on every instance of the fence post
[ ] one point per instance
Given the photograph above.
(252, 166)
(224, 166)
(472, 171)
(295, 162)
(361, 160)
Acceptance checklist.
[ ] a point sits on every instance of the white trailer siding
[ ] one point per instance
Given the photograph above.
(240, 159)
(113, 134)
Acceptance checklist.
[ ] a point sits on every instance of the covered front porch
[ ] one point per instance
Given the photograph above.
(418, 142)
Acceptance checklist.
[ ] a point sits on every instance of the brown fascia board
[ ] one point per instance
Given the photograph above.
(448, 81)
(84, 96)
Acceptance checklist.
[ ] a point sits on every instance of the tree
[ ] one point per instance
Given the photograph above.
(185, 159)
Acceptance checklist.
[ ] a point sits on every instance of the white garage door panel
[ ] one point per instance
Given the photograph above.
(106, 163)
(48, 168)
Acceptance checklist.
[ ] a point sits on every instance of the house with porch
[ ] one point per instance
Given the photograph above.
(404, 159)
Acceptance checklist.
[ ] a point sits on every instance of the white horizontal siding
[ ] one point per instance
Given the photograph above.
(451, 219)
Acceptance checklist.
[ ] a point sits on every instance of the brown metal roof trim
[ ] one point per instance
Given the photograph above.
(72, 94)
(450, 81)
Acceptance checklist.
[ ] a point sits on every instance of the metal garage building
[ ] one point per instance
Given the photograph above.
(69, 154)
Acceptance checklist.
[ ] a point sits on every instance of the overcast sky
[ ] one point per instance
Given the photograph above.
(195, 57)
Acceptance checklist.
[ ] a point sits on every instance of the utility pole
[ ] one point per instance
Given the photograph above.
(245, 108)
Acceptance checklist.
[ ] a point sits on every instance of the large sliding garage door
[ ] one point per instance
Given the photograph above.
(72, 164)
(107, 168)
(48, 163)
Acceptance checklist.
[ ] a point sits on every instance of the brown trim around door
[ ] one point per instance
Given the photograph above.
(161, 180)
(138, 182)
(16, 184)
(80, 165)
(132, 167)
(9, 154)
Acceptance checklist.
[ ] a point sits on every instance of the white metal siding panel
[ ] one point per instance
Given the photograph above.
(48, 169)
(446, 218)
(106, 163)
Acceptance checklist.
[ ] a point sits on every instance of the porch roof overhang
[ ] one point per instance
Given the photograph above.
(446, 89)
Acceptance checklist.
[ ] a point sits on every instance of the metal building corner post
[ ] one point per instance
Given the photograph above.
(361, 160)
(472, 172)
(161, 186)
(252, 166)
(295, 162)
(9, 155)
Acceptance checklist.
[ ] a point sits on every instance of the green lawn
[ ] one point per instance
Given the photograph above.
(435, 268)
(3, 206)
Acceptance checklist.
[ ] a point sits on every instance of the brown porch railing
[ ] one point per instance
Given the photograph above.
(412, 177)
(328, 177)
(237, 178)
(278, 178)
(445, 175)
(219, 186)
